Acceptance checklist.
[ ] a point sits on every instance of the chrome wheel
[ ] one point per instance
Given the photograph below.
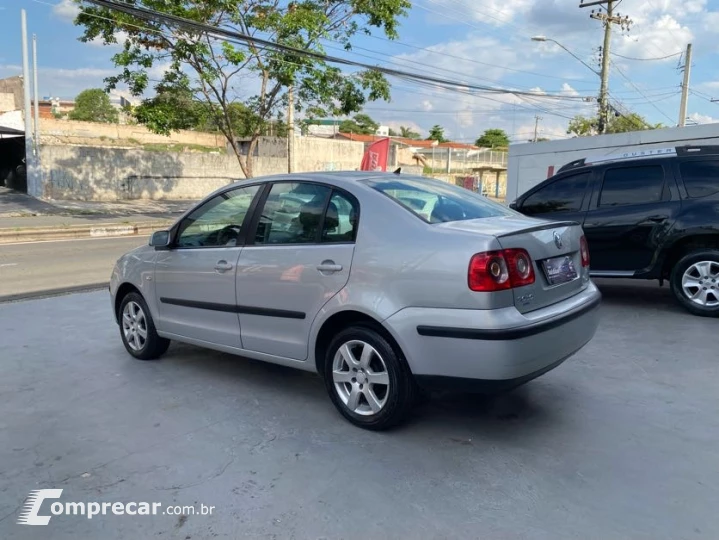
(134, 326)
(360, 377)
(700, 283)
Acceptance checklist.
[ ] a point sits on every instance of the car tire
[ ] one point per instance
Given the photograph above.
(368, 379)
(695, 282)
(137, 329)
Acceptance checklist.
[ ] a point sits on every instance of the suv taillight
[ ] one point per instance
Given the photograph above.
(500, 270)
(584, 250)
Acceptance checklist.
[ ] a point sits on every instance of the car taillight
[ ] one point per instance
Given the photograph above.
(500, 270)
(584, 250)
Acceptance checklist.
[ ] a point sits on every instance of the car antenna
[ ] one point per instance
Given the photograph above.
(398, 171)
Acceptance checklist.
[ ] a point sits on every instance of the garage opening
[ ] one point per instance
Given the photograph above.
(13, 173)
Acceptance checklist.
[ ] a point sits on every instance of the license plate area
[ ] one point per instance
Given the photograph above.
(560, 269)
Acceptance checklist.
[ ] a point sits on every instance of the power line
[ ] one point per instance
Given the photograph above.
(234, 36)
(650, 102)
(648, 59)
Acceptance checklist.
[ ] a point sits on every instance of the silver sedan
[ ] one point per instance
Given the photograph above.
(384, 284)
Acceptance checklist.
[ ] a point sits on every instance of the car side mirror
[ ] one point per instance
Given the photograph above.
(160, 240)
(513, 205)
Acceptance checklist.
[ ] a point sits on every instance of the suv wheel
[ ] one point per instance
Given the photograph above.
(368, 382)
(695, 282)
(137, 329)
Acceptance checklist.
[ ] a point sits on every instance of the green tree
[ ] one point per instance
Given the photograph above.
(94, 105)
(407, 133)
(583, 126)
(393, 133)
(361, 124)
(436, 133)
(211, 68)
(493, 138)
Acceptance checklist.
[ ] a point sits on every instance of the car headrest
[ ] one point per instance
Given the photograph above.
(311, 212)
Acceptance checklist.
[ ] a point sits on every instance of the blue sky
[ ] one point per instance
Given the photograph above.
(474, 41)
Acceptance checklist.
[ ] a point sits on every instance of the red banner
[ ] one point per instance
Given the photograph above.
(375, 158)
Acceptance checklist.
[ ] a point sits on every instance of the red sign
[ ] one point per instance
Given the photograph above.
(550, 171)
(375, 158)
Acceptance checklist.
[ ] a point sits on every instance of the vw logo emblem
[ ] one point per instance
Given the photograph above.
(558, 240)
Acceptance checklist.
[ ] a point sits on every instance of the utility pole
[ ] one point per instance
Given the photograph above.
(607, 19)
(26, 95)
(290, 131)
(35, 92)
(685, 86)
(537, 118)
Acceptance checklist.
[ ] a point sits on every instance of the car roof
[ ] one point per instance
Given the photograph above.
(636, 155)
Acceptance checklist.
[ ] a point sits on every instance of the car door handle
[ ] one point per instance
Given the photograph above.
(656, 219)
(223, 266)
(329, 267)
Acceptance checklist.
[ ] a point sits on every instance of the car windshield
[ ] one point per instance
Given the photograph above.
(438, 202)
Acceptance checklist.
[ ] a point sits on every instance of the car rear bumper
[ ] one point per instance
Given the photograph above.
(500, 346)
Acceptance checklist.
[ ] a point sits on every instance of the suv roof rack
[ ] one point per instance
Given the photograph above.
(686, 150)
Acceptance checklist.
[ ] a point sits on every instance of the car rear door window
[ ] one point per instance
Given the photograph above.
(632, 185)
(341, 219)
(292, 214)
(563, 195)
(701, 178)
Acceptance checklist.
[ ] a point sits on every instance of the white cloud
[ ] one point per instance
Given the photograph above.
(703, 118)
(120, 36)
(653, 39)
(494, 12)
(427, 105)
(66, 10)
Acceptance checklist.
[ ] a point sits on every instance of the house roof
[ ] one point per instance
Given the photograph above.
(417, 143)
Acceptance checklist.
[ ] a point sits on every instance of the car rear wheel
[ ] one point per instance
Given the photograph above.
(368, 380)
(137, 329)
(695, 282)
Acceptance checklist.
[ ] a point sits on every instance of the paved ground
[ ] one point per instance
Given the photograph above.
(621, 441)
(40, 266)
(20, 210)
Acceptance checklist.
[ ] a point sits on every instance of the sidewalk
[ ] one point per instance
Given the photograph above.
(25, 219)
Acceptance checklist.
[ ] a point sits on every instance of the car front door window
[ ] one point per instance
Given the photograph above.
(218, 222)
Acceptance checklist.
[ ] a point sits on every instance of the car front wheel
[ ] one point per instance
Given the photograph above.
(137, 329)
(695, 282)
(367, 379)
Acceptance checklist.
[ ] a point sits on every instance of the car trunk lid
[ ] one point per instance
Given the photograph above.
(555, 251)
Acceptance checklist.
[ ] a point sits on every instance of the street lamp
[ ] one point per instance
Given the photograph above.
(544, 38)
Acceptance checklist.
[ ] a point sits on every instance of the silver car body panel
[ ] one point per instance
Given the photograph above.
(401, 271)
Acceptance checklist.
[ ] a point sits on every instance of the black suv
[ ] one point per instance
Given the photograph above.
(650, 214)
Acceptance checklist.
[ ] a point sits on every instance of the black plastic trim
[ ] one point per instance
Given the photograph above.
(482, 386)
(232, 308)
(507, 333)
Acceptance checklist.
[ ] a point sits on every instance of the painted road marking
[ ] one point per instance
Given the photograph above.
(8, 264)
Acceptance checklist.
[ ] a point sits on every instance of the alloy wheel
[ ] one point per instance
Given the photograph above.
(134, 326)
(360, 377)
(700, 283)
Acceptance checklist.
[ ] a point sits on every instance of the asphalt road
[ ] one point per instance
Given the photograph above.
(41, 266)
(620, 442)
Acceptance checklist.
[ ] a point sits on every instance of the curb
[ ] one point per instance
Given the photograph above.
(104, 230)
(47, 293)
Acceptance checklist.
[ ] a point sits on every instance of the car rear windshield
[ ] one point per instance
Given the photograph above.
(438, 202)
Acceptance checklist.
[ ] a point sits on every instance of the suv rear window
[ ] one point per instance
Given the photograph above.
(438, 202)
(632, 185)
(701, 178)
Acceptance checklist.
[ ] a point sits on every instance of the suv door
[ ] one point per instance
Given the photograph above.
(299, 256)
(562, 199)
(195, 278)
(629, 215)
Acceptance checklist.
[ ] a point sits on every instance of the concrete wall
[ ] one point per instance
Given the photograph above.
(95, 173)
(11, 94)
(530, 164)
(103, 173)
(53, 131)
